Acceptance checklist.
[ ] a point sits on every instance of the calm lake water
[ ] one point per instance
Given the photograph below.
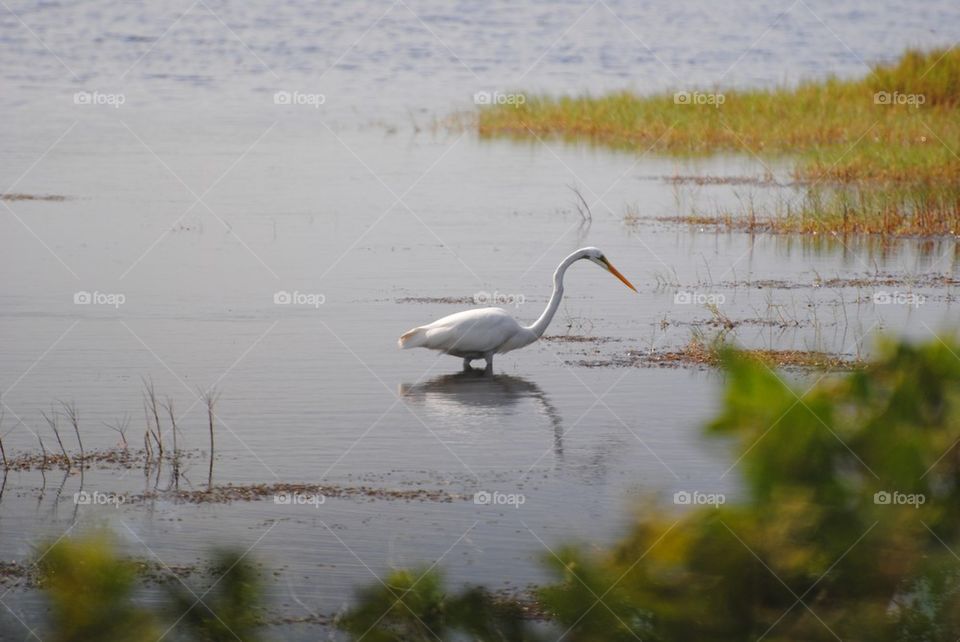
(197, 197)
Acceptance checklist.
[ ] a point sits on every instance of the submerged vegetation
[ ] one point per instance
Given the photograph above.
(702, 351)
(152, 456)
(879, 154)
(846, 528)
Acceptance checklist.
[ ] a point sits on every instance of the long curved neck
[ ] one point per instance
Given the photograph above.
(540, 325)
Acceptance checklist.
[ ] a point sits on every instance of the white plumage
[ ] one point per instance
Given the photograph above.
(483, 332)
(471, 333)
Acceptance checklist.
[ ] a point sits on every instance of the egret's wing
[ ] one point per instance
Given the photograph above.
(480, 330)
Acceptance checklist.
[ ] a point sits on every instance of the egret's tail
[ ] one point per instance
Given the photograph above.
(412, 338)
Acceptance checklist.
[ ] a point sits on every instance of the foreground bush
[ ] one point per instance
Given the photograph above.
(92, 594)
(90, 591)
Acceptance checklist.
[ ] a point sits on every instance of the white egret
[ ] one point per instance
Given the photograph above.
(484, 332)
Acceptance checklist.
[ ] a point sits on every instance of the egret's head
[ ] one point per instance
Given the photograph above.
(594, 255)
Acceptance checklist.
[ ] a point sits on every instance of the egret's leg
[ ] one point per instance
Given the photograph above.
(489, 359)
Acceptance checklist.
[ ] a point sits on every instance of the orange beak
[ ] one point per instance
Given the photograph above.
(617, 274)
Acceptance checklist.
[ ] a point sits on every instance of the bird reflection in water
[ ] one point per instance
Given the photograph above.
(469, 390)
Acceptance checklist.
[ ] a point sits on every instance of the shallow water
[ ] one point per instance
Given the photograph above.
(199, 199)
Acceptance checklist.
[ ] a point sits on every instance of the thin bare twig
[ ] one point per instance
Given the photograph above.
(73, 416)
(210, 399)
(583, 208)
(53, 420)
(3, 452)
(43, 449)
(168, 406)
(121, 428)
(147, 448)
(150, 398)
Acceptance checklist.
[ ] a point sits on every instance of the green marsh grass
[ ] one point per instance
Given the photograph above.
(879, 154)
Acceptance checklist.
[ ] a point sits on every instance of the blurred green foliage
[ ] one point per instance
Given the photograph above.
(414, 606)
(227, 610)
(92, 594)
(90, 591)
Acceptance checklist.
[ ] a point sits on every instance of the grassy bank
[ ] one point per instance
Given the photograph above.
(877, 154)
